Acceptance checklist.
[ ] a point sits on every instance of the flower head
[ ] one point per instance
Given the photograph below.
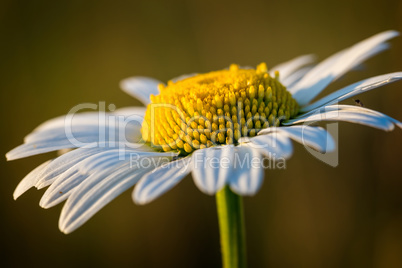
(216, 108)
(219, 126)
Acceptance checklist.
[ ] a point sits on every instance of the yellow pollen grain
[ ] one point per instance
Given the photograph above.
(216, 108)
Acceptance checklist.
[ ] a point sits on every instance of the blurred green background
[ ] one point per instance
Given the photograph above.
(56, 54)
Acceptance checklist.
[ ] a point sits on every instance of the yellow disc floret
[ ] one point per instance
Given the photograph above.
(216, 108)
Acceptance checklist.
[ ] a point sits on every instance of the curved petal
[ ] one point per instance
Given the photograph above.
(30, 149)
(295, 77)
(248, 173)
(212, 168)
(288, 68)
(62, 163)
(316, 137)
(129, 111)
(79, 131)
(30, 180)
(273, 145)
(106, 160)
(347, 113)
(87, 118)
(160, 180)
(70, 175)
(140, 88)
(353, 90)
(95, 193)
(335, 66)
(366, 110)
(109, 159)
(61, 188)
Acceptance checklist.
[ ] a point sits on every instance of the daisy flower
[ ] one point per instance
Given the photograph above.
(219, 126)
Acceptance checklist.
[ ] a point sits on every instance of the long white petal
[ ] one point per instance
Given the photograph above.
(378, 49)
(160, 180)
(364, 110)
(288, 68)
(95, 193)
(61, 188)
(273, 145)
(347, 113)
(111, 130)
(335, 66)
(316, 137)
(353, 90)
(29, 149)
(248, 173)
(295, 77)
(129, 111)
(56, 137)
(60, 133)
(107, 159)
(87, 160)
(88, 118)
(212, 168)
(343, 107)
(62, 163)
(140, 87)
(123, 120)
(29, 180)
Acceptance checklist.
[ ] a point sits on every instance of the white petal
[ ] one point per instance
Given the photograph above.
(273, 145)
(353, 114)
(160, 180)
(315, 137)
(101, 161)
(295, 77)
(365, 110)
(29, 149)
(109, 128)
(95, 192)
(108, 159)
(60, 134)
(248, 173)
(61, 188)
(212, 168)
(64, 162)
(54, 136)
(354, 89)
(129, 111)
(335, 66)
(29, 180)
(101, 127)
(288, 68)
(141, 88)
(88, 118)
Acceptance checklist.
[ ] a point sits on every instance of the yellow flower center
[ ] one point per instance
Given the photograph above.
(216, 108)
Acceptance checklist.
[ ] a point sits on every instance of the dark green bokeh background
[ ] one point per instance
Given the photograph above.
(56, 54)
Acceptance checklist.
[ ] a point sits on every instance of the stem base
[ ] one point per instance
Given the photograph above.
(231, 227)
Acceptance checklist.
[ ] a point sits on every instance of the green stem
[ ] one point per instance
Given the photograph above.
(231, 227)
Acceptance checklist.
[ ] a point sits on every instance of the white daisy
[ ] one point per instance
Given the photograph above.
(215, 126)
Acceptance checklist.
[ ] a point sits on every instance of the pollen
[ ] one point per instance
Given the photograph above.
(216, 108)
